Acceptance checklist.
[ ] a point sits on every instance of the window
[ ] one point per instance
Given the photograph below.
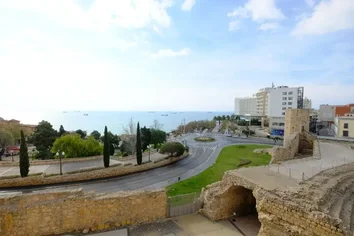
(281, 124)
(290, 98)
(290, 103)
(283, 113)
(284, 98)
(345, 125)
(283, 108)
(284, 103)
(345, 133)
(290, 93)
(284, 93)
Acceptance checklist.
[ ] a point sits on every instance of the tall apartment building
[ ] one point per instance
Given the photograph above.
(270, 104)
(262, 101)
(307, 103)
(280, 99)
(245, 106)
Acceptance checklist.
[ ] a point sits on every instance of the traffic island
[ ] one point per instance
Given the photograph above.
(204, 139)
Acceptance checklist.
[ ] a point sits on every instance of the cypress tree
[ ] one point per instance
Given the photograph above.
(24, 161)
(139, 155)
(106, 148)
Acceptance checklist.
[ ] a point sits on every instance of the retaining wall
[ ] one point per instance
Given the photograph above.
(75, 211)
(94, 174)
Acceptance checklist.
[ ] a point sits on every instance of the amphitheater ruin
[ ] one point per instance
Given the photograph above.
(308, 189)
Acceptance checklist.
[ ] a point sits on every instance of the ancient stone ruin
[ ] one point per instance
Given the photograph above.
(321, 205)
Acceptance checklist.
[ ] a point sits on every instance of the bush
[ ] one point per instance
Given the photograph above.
(204, 139)
(74, 146)
(173, 148)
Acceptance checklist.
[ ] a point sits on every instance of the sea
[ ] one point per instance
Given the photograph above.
(117, 120)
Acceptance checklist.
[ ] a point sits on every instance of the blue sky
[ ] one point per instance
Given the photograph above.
(171, 54)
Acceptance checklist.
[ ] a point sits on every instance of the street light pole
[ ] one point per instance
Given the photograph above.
(149, 151)
(61, 170)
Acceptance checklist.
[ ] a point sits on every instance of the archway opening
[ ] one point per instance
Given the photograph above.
(245, 215)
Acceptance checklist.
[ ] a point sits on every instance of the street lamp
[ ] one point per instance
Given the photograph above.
(149, 146)
(60, 154)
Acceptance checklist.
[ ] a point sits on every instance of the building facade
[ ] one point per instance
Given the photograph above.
(344, 126)
(307, 103)
(245, 106)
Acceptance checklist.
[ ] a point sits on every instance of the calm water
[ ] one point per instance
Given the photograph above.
(116, 120)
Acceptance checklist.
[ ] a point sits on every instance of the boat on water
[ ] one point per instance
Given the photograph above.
(65, 112)
(164, 114)
(85, 114)
(151, 112)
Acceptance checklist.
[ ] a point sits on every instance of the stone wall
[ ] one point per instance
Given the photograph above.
(319, 206)
(286, 217)
(296, 120)
(94, 174)
(288, 150)
(74, 211)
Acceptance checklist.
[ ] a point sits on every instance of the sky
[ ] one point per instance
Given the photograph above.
(183, 55)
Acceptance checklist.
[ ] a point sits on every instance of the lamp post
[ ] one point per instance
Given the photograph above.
(60, 154)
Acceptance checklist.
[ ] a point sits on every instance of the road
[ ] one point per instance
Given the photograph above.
(202, 155)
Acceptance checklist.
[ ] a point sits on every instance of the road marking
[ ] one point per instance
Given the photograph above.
(7, 170)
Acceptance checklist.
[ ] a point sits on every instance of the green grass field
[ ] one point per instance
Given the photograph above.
(230, 157)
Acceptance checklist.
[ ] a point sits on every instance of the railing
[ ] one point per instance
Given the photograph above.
(301, 175)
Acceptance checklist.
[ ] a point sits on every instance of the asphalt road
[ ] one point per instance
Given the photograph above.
(202, 155)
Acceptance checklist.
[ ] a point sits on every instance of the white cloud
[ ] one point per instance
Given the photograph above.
(234, 25)
(269, 26)
(188, 5)
(171, 53)
(101, 14)
(327, 16)
(259, 10)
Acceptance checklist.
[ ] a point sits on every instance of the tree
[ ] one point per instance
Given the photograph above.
(228, 117)
(157, 125)
(61, 131)
(6, 139)
(96, 135)
(81, 133)
(139, 155)
(43, 138)
(74, 146)
(223, 117)
(106, 148)
(129, 137)
(157, 137)
(172, 148)
(24, 161)
(145, 137)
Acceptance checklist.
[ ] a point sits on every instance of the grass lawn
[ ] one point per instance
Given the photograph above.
(228, 159)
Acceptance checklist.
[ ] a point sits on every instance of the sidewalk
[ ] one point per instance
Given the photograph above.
(73, 166)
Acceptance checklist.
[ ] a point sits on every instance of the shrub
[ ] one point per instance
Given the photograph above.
(204, 139)
(172, 148)
(74, 146)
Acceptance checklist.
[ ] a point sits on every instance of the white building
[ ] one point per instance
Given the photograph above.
(282, 98)
(245, 106)
(307, 103)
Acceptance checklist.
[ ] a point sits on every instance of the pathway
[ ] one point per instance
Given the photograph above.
(332, 155)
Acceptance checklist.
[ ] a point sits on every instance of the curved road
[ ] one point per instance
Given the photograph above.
(202, 155)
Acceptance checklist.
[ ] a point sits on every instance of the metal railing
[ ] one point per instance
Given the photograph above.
(301, 175)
